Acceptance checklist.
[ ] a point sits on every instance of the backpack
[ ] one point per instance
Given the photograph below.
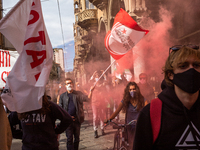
(155, 116)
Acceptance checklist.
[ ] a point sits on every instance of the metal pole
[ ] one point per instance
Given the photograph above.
(1, 16)
(1, 8)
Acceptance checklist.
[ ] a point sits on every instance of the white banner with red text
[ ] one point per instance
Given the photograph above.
(24, 27)
(7, 61)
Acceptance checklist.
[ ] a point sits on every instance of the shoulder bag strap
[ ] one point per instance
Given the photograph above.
(155, 116)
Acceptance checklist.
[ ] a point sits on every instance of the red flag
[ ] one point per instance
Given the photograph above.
(125, 34)
(24, 27)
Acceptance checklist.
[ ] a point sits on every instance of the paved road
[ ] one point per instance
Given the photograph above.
(87, 140)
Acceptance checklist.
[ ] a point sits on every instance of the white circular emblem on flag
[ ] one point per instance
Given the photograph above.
(121, 39)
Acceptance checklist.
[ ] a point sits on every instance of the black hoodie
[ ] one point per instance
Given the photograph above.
(175, 131)
(39, 131)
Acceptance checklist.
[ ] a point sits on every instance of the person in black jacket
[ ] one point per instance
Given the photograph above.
(38, 129)
(72, 102)
(180, 121)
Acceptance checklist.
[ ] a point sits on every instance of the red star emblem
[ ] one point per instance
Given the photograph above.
(124, 31)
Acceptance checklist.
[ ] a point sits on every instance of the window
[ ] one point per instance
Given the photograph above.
(89, 5)
(74, 32)
(78, 31)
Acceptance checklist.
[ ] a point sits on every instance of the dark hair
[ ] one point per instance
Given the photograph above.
(138, 98)
(44, 110)
(69, 79)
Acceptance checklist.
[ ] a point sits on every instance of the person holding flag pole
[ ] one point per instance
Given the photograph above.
(98, 99)
(24, 93)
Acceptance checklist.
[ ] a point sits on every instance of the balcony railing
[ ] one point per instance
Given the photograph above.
(87, 18)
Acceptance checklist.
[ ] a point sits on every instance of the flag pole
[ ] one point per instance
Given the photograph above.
(104, 72)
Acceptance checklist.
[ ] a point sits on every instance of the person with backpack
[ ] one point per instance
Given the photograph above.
(172, 121)
(132, 103)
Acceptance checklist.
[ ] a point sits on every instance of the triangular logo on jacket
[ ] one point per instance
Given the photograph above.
(187, 140)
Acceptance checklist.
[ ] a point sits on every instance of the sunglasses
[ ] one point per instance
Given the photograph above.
(177, 47)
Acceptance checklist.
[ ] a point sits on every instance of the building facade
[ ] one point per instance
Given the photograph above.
(58, 57)
(94, 18)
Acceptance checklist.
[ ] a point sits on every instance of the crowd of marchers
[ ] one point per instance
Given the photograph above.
(169, 121)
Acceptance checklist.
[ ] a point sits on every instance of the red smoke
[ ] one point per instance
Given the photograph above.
(154, 46)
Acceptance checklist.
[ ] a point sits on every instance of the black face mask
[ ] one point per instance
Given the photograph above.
(188, 81)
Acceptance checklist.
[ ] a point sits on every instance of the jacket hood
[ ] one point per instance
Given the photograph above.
(170, 99)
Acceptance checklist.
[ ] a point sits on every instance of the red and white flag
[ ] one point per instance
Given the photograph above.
(125, 34)
(24, 27)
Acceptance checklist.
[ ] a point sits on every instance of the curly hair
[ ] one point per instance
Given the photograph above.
(138, 98)
(44, 110)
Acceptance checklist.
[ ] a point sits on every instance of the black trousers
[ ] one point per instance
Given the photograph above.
(73, 136)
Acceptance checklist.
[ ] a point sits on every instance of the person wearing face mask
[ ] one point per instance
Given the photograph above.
(72, 102)
(146, 90)
(131, 105)
(98, 101)
(180, 109)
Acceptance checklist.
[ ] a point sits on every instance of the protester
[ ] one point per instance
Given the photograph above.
(39, 129)
(131, 104)
(62, 89)
(72, 102)
(146, 90)
(5, 132)
(98, 102)
(180, 121)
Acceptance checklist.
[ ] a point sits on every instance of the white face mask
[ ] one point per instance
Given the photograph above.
(69, 87)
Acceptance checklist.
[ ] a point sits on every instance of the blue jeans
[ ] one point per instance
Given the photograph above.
(73, 131)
